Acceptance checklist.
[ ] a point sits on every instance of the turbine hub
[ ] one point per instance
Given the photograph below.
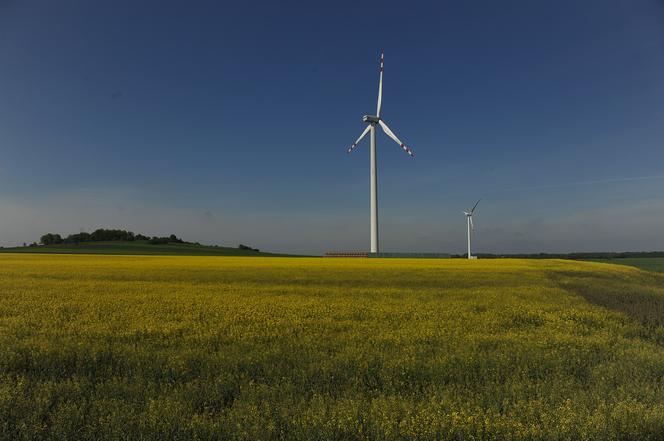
(369, 119)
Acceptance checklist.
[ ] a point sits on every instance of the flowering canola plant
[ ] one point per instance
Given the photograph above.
(172, 347)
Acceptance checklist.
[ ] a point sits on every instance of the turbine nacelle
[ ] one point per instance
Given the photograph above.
(370, 119)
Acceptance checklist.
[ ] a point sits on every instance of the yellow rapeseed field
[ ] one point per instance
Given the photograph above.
(171, 347)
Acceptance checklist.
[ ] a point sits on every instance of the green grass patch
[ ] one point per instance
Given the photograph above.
(645, 263)
(137, 247)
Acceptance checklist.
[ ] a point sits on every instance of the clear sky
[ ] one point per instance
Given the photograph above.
(228, 122)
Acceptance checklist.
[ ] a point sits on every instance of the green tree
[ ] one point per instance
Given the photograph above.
(50, 239)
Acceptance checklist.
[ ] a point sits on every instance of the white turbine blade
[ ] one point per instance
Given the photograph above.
(472, 227)
(350, 149)
(475, 206)
(389, 133)
(380, 87)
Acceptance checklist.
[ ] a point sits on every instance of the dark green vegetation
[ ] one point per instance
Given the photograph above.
(106, 235)
(117, 235)
(572, 256)
(646, 263)
(137, 247)
(234, 348)
(638, 294)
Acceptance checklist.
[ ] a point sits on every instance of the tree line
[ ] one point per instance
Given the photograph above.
(104, 235)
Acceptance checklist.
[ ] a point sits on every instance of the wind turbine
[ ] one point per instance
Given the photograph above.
(371, 122)
(471, 227)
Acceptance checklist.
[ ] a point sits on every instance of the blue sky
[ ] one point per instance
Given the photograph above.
(228, 122)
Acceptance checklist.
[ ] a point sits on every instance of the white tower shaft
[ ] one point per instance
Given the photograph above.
(468, 221)
(374, 192)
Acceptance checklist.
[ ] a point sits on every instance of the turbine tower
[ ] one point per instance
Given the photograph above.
(471, 227)
(371, 122)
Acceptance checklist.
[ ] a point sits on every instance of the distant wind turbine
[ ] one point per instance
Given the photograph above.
(371, 128)
(471, 227)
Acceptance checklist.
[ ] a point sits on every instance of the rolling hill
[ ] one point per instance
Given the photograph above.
(137, 247)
